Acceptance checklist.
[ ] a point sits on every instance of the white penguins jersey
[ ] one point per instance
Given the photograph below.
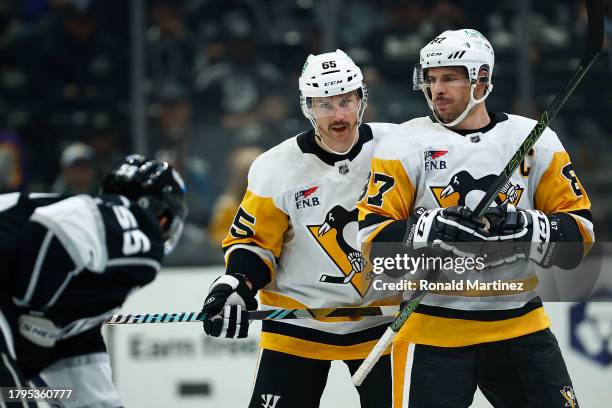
(424, 164)
(299, 218)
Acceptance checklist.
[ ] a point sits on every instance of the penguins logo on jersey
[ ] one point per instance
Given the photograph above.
(464, 188)
(570, 396)
(332, 235)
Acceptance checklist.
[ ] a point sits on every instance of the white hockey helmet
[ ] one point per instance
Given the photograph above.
(460, 48)
(331, 74)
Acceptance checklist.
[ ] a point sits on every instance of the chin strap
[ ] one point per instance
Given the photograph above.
(473, 102)
(355, 137)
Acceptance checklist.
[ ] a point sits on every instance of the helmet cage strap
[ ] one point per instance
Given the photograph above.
(473, 102)
(306, 102)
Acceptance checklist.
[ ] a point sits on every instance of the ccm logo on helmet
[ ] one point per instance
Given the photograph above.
(434, 54)
(333, 83)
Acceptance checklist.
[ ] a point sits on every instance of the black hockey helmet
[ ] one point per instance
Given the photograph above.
(151, 183)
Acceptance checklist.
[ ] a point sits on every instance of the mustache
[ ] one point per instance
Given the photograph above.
(341, 123)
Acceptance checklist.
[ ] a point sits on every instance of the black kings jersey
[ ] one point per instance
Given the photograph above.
(76, 257)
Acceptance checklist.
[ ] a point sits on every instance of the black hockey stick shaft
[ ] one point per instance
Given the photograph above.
(594, 46)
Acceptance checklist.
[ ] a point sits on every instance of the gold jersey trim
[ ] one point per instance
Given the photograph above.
(389, 191)
(258, 222)
(447, 332)
(554, 192)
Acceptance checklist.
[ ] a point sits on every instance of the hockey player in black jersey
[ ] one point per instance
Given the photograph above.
(69, 261)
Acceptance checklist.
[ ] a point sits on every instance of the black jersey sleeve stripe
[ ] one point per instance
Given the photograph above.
(372, 219)
(480, 315)
(393, 232)
(318, 336)
(249, 264)
(586, 214)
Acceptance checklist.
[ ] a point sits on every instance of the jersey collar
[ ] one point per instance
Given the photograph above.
(306, 142)
(496, 117)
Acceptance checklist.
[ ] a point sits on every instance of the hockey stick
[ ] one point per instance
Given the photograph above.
(338, 279)
(594, 46)
(273, 314)
(343, 279)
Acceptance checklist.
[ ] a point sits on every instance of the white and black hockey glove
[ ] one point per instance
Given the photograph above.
(519, 234)
(452, 230)
(226, 307)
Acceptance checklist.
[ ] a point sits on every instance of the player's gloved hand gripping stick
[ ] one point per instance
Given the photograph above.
(594, 46)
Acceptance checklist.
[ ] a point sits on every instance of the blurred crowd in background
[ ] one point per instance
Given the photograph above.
(220, 85)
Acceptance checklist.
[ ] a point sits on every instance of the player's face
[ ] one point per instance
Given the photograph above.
(336, 118)
(450, 91)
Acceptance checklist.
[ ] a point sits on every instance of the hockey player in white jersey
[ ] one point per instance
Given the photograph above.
(454, 342)
(293, 241)
(69, 261)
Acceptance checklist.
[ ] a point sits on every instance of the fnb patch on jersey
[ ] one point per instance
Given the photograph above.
(431, 160)
(303, 199)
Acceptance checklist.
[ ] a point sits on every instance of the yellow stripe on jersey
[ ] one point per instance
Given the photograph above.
(560, 190)
(447, 332)
(399, 361)
(259, 222)
(314, 350)
(390, 192)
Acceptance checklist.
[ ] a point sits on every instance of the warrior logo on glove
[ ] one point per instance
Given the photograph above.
(351, 264)
(465, 190)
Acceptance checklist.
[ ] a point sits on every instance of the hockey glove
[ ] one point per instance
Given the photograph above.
(226, 307)
(521, 234)
(452, 230)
